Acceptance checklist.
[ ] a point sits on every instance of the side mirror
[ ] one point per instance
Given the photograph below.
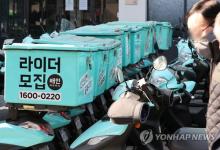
(160, 63)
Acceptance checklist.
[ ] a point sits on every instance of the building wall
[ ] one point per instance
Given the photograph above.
(136, 12)
(166, 10)
(158, 10)
(169, 10)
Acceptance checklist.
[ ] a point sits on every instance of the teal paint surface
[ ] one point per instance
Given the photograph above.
(78, 72)
(135, 42)
(100, 57)
(121, 88)
(189, 61)
(90, 30)
(190, 85)
(147, 35)
(171, 82)
(15, 135)
(56, 120)
(106, 59)
(101, 128)
(184, 52)
(27, 39)
(76, 112)
(126, 30)
(164, 35)
(103, 32)
(88, 67)
(136, 46)
(115, 56)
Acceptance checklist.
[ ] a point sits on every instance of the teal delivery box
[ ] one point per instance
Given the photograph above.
(136, 40)
(49, 74)
(147, 35)
(115, 57)
(126, 52)
(135, 44)
(105, 47)
(147, 38)
(164, 34)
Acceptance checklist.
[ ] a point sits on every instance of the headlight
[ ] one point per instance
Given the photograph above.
(158, 81)
(97, 140)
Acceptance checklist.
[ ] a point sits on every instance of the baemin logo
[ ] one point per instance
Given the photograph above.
(55, 82)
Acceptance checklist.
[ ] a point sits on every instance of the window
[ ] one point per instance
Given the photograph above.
(17, 19)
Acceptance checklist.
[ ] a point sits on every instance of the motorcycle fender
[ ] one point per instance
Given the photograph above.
(56, 120)
(22, 137)
(100, 129)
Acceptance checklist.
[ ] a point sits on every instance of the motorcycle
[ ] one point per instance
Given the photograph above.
(188, 59)
(144, 104)
(154, 117)
(184, 91)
